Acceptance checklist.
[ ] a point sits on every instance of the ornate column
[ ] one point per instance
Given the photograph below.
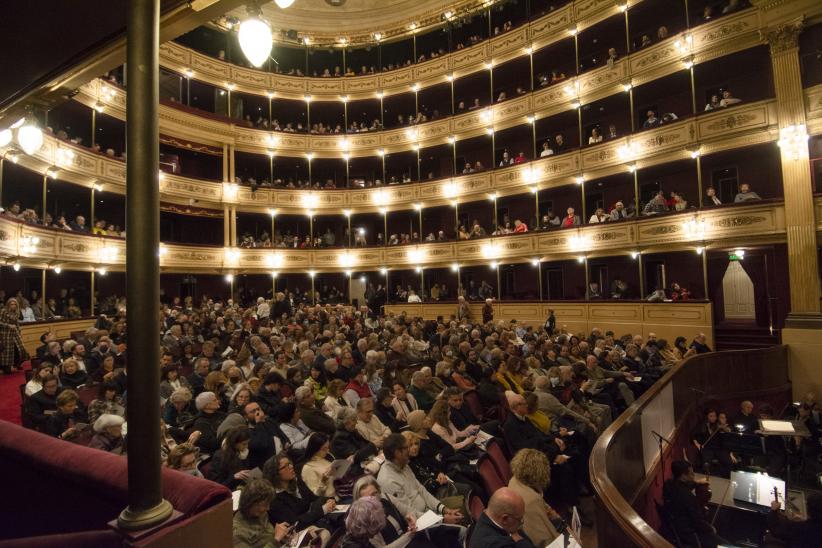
(803, 266)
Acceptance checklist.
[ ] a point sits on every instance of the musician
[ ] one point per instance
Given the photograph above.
(798, 534)
(709, 443)
(745, 422)
(686, 513)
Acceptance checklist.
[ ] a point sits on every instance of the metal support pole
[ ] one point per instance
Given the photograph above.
(311, 227)
(534, 139)
(587, 277)
(627, 33)
(93, 127)
(539, 278)
(146, 506)
(43, 294)
(705, 272)
(421, 237)
(91, 295)
(313, 293)
(459, 282)
(422, 282)
(91, 216)
(699, 181)
(636, 192)
(641, 277)
(693, 90)
(499, 284)
(631, 109)
(2, 165)
(582, 191)
(45, 192)
(385, 228)
(349, 231)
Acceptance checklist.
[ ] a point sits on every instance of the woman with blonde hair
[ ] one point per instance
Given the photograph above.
(531, 476)
(333, 400)
(441, 425)
(216, 382)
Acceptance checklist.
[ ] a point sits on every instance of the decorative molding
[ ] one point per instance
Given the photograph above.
(785, 37)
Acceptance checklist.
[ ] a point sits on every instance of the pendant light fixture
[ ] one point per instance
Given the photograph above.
(255, 37)
(284, 3)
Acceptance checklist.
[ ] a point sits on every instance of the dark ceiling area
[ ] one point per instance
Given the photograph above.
(40, 37)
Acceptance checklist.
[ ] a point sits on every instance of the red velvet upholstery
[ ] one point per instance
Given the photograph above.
(54, 487)
(488, 473)
(97, 539)
(501, 464)
(476, 507)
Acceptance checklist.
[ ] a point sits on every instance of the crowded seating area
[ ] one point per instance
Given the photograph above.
(319, 406)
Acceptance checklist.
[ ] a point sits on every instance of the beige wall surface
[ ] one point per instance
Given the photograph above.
(666, 320)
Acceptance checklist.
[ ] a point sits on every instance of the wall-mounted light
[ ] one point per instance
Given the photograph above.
(535, 261)
(579, 179)
(455, 267)
(383, 271)
(634, 254)
(16, 266)
(230, 191)
(688, 62)
(102, 271)
(229, 278)
(417, 206)
(57, 269)
(793, 140)
(347, 213)
(490, 250)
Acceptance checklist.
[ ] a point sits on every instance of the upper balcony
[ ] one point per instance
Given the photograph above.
(709, 41)
(744, 125)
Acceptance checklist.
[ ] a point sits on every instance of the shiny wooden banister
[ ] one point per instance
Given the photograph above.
(721, 375)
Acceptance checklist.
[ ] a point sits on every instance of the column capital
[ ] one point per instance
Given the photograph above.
(784, 37)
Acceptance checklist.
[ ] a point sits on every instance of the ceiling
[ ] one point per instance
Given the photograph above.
(353, 17)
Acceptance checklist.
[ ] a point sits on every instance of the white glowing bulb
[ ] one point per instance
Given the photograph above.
(283, 4)
(30, 138)
(57, 269)
(5, 137)
(255, 39)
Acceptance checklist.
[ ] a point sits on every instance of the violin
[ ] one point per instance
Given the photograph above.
(703, 493)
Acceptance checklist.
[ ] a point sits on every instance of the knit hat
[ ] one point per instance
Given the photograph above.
(415, 420)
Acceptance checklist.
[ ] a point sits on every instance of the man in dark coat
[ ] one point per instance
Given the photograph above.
(500, 525)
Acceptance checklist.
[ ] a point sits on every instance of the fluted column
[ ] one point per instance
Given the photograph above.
(803, 265)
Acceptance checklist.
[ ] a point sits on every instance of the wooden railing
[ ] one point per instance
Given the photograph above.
(625, 462)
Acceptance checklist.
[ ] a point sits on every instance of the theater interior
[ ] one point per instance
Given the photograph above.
(429, 216)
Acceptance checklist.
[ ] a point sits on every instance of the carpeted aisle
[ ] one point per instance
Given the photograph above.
(10, 396)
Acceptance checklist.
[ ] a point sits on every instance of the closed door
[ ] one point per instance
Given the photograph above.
(738, 291)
